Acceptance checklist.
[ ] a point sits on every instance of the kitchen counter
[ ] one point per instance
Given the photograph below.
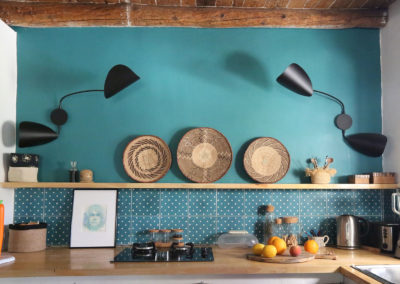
(91, 262)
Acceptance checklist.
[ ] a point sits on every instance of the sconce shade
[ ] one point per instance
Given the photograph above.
(370, 144)
(32, 134)
(118, 78)
(296, 79)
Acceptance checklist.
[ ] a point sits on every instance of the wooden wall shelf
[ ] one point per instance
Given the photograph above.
(194, 185)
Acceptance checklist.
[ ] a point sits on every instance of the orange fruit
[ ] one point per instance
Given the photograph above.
(271, 239)
(258, 249)
(311, 246)
(269, 251)
(280, 245)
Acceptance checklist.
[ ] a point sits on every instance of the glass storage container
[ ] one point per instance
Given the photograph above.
(177, 237)
(292, 230)
(154, 235)
(236, 239)
(269, 223)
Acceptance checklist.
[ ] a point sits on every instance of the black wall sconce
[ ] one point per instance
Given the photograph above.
(31, 133)
(296, 79)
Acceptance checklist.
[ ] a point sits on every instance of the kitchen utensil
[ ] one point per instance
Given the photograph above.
(348, 231)
(284, 258)
(328, 161)
(147, 158)
(204, 155)
(321, 241)
(396, 210)
(389, 234)
(266, 160)
(236, 239)
(315, 163)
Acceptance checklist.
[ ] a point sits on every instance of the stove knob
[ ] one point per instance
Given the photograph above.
(204, 252)
(384, 246)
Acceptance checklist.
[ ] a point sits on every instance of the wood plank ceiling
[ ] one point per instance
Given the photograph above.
(197, 13)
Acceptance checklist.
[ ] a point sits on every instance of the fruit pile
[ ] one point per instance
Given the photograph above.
(277, 246)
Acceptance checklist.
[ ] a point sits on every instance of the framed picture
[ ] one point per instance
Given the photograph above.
(93, 218)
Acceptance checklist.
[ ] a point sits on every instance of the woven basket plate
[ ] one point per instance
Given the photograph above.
(204, 155)
(266, 160)
(147, 158)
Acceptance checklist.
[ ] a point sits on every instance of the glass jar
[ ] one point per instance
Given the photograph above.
(177, 237)
(292, 231)
(154, 235)
(278, 228)
(165, 238)
(269, 223)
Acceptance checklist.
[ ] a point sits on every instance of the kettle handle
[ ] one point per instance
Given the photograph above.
(366, 230)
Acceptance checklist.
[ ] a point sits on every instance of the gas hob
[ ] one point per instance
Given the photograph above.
(148, 252)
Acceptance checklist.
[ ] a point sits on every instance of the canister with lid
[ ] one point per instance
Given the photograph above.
(292, 230)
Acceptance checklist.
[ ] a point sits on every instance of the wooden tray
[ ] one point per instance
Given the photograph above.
(147, 158)
(266, 160)
(285, 258)
(204, 155)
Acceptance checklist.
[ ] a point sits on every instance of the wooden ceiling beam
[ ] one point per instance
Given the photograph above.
(32, 14)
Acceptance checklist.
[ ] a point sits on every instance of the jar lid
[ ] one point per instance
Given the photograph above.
(278, 221)
(177, 230)
(270, 208)
(154, 230)
(290, 220)
(165, 231)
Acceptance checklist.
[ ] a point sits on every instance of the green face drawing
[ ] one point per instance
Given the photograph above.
(94, 218)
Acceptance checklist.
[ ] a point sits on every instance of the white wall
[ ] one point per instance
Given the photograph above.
(390, 61)
(8, 96)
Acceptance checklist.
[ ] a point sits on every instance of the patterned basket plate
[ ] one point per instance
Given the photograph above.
(147, 158)
(204, 155)
(266, 160)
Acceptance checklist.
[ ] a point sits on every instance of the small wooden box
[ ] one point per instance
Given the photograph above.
(383, 178)
(359, 179)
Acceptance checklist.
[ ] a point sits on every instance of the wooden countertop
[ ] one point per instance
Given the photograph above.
(90, 262)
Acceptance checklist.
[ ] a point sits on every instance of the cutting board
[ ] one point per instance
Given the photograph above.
(323, 253)
(284, 258)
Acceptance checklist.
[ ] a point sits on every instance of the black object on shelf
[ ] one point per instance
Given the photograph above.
(296, 79)
(32, 134)
(148, 252)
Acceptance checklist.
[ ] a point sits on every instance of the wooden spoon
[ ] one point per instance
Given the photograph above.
(328, 161)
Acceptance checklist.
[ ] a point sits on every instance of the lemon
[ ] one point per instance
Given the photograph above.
(269, 251)
(258, 249)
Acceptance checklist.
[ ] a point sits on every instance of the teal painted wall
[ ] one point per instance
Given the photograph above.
(220, 78)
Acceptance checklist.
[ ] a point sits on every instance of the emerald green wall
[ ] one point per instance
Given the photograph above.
(219, 78)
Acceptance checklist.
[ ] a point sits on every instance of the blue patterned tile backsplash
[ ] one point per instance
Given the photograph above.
(204, 213)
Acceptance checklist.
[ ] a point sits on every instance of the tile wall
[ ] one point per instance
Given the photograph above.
(204, 214)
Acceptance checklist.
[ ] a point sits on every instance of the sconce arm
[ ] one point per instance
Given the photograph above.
(75, 93)
(334, 98)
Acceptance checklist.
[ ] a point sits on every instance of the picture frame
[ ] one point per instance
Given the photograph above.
(93, 223)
